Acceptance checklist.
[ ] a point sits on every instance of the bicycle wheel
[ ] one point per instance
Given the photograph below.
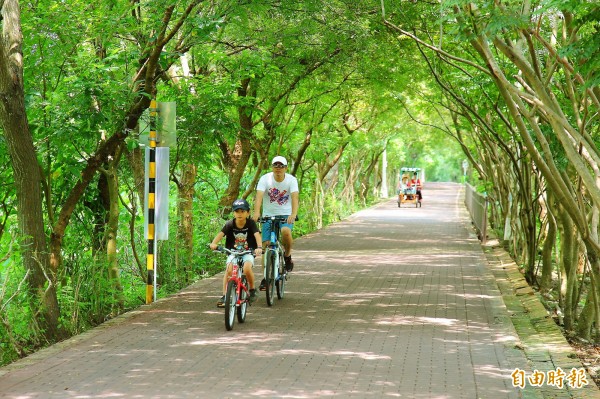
(280, 283)
(230, 300)
(241, 310)
(270, 277)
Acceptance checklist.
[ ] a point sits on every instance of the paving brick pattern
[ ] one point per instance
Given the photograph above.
(391, 302)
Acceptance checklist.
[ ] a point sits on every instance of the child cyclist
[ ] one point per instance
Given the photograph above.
(240, 232)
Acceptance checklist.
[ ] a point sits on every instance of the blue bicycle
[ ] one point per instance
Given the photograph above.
(275, 273)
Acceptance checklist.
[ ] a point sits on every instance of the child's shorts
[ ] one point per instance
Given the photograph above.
(247, 258)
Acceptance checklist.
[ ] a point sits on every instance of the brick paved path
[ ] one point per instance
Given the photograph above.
(389, 303)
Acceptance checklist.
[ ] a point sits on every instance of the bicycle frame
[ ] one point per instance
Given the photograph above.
(274, 243)
(275, 246)
(236, 276)
(237, 272)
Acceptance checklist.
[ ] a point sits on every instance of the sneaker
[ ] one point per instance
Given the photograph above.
(252, 295)
(263, 285)
(289, 264)
(221, 302)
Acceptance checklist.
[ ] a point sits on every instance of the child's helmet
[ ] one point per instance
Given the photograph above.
(240, 204)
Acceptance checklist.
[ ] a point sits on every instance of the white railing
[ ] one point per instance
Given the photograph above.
(477, 206)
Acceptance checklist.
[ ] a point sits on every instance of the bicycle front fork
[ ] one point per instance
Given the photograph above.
(271, 252)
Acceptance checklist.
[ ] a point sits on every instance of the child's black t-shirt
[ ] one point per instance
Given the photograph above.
(236, 237)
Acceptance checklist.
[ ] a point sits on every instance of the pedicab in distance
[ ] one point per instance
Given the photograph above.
(409, 187)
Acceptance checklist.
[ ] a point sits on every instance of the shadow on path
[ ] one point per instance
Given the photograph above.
(392, 302)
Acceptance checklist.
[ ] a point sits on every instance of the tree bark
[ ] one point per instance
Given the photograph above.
(111, 237)
(549, 244)
(236, 158)
(136, 161)
(27, 175)
(185, 231)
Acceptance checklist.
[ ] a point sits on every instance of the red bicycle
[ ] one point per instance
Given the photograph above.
(237, 297)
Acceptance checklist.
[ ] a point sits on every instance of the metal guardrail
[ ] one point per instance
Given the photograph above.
(477, 206)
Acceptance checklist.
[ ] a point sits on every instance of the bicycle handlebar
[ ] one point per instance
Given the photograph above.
(238, 252)
(279, 218)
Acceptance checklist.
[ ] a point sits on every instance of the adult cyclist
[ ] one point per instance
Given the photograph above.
(277, 193)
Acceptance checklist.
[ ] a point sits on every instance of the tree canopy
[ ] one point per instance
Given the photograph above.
(512, 87)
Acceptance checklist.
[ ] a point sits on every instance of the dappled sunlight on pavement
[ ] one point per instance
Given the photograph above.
(392, 302)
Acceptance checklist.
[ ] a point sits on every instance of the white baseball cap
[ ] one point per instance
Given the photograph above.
(279, 158)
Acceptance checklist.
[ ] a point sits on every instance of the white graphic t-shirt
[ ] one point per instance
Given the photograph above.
(277, 199)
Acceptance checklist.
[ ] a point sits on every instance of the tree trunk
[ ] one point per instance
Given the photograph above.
(365, 183)
(549, 244)
(27, 175)
(136, 161)
(185, 230)
(568, 252)
(319, 203)
(236, 159)
(99, 206)
(350, 181)
(236, 162)
(112, 229)
(528, 223)
(301, 151)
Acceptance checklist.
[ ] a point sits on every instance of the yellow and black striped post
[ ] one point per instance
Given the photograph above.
(150, 261)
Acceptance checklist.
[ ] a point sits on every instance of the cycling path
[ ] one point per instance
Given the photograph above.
(388, 303)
